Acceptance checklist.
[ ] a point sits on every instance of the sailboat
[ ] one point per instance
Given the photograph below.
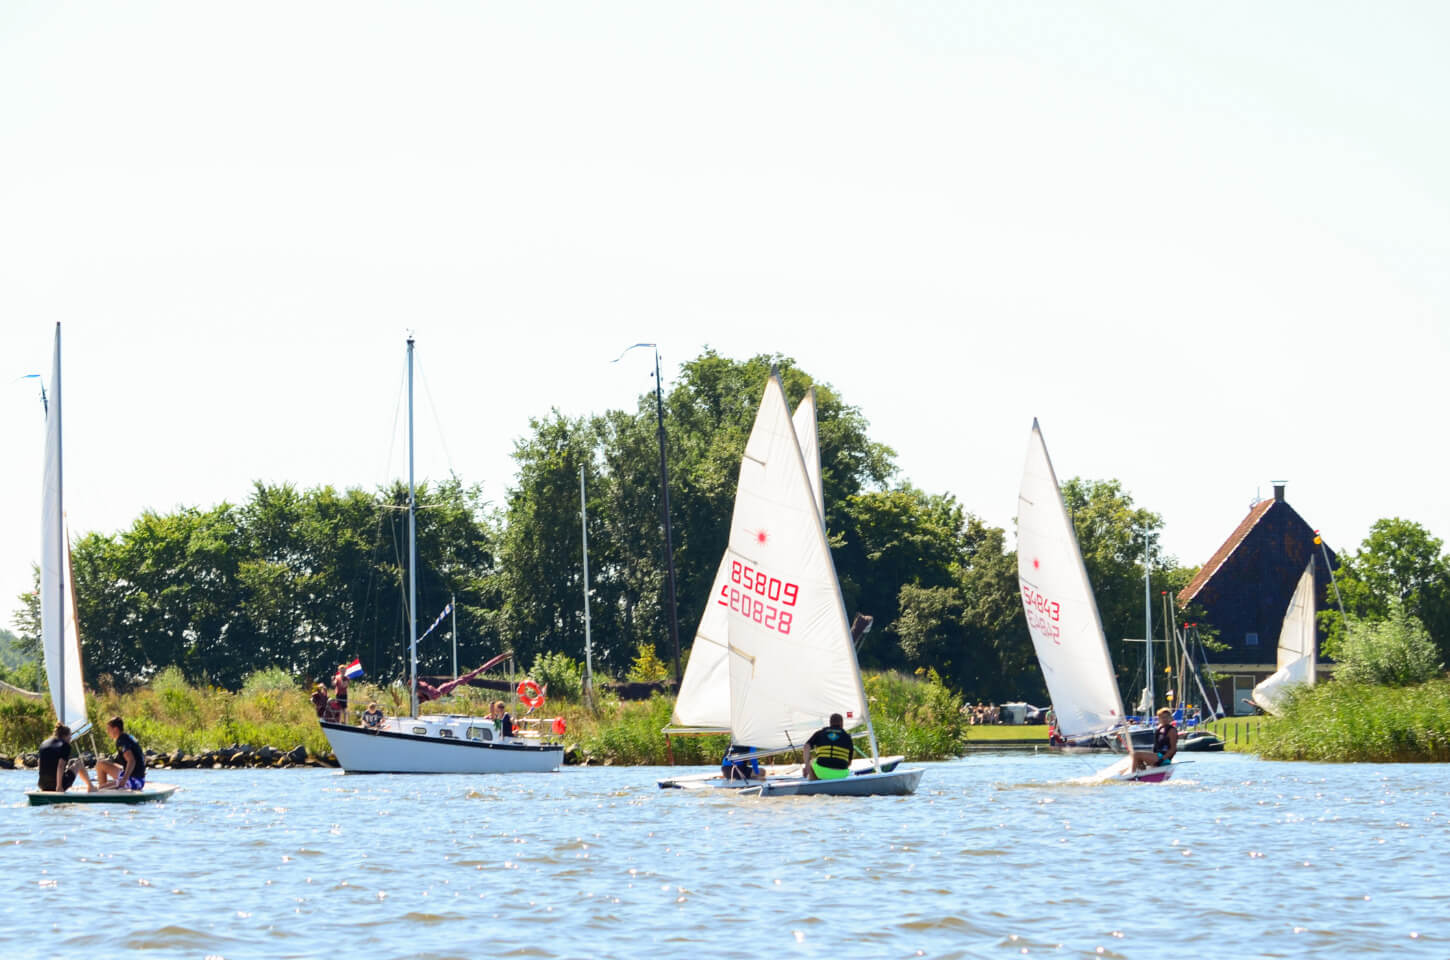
(1296, 659)
(60, 637)
(1062, 616)
(436, 743)
(788, 652)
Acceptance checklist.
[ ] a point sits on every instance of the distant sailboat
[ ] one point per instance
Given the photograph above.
(1297, 658)
(1062, 614)
(60, 635)
(790, 658)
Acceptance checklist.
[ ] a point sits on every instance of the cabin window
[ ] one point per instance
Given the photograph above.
(446, 734)
(420, 731)
(1251, 639)
(480, 733)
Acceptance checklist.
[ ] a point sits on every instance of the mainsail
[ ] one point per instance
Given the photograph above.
(703, 703)
(791, 660)
(1062, 615)
(60, 640)
(1296, 647)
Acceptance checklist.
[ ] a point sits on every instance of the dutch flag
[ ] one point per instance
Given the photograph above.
(354, 670)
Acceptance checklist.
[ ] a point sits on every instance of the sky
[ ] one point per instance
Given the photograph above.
(1205, 245)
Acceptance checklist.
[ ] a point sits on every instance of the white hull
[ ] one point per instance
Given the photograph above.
(154, 792)
(397, 749)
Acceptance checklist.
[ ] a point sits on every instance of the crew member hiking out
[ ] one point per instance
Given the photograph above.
(829, 751)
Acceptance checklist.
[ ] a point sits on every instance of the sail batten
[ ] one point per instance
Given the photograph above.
(1062, 614)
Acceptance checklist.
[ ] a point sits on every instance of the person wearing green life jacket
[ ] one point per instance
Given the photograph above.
(829, 751)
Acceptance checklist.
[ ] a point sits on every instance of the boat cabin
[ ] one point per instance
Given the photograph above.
(1244, 590)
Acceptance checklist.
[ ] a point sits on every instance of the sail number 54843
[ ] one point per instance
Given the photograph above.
(746, 584)
(1042, 614)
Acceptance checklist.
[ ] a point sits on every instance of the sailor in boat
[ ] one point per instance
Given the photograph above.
(372, 717)
(740, 763)
(501, 719)
(128, 770)
(1165, 744)
(828, 753)
(339, 690)
(58, 769)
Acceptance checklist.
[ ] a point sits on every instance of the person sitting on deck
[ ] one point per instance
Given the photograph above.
(828, 753)
(1165, 744)
(57, 767)
(372, 717)
(740, 763)
(502, 720)
(128, 770)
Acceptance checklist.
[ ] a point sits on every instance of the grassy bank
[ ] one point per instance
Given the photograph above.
(920, 718)
(1241, 734)
(1343, 722)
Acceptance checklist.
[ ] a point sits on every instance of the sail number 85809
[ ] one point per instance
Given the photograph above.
(746, 584)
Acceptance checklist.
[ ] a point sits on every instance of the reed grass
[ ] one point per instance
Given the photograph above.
(1345, 722)
(918, 717)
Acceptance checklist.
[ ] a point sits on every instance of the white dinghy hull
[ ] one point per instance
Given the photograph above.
(897, 783)
(154, 792)
(789, 771)
(360, 750)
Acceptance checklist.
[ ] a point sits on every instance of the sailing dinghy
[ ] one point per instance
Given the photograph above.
(788, 652)
(1062, 616)
(60, 638)
(1296, 660)
(703, 703)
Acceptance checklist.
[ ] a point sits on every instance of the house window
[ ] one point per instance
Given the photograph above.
(1251, 639)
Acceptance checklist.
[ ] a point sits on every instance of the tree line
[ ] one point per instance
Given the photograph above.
(305, 579)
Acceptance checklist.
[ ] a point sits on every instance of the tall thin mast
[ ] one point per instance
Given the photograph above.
(412, 547)
(62, 568)
(1148, 620)
(588, 646)
(665, 508)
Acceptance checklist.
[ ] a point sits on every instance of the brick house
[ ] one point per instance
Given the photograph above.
(1244, 590)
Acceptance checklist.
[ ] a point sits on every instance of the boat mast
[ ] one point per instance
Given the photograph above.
(665, 509)
(1148, 620)
(588, 646)
(412, 547)
(60, 571)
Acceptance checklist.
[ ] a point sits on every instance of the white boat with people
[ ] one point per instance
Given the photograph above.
(1062, 616)
(776, 656)
(441, 743)
(59, 629)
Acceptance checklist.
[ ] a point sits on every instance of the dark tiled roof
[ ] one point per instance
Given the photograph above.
(1221, 555)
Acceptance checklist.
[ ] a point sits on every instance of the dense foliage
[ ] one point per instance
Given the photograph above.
(1393, 652)
(1399, 563)
(1344, 721)
(302, 580)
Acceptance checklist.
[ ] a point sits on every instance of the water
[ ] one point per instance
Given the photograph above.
(1237, 857)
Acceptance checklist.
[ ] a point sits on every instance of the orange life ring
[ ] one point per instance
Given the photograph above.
(530, 694)
(559, 727)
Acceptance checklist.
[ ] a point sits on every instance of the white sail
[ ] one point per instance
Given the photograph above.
(1062, 615)
(60, 640)
(792, 663)
(1296, 658)
(703, 702)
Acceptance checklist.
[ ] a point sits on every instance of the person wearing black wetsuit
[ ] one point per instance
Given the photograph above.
(128, 770)
(57, 768)
(829, 751)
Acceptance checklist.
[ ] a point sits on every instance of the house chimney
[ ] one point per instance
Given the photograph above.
(1279, 490)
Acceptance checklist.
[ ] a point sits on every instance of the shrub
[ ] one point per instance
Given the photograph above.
(647, 666)
(561, 673)
(1396, 652)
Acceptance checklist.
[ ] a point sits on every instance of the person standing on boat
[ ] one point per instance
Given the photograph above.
(58, 769)
(1165, 744)
(128, 770)
(502, 720)
(828, 753)
(339, 690)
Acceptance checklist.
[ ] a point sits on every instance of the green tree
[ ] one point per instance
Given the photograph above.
(1395, 651)
(1398, 562)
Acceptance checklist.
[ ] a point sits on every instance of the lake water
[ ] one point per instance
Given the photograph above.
(994, 857)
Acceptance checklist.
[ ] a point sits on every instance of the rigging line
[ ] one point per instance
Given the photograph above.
(387, 471)
(437, 421)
